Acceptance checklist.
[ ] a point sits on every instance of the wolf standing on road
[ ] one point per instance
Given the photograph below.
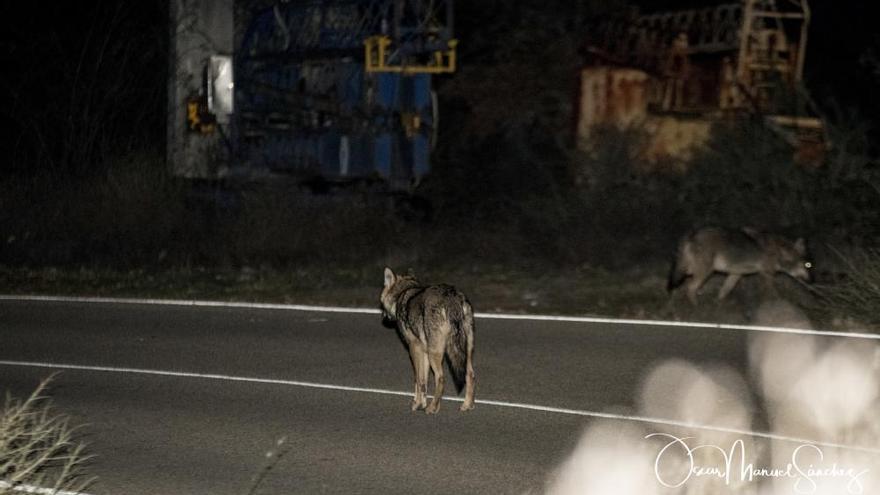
(434, 321)
(736, 253)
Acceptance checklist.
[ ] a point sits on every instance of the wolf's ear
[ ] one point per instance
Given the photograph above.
(389, 277)
(800, 245)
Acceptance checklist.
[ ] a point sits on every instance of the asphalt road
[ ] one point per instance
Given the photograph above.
(171, 434)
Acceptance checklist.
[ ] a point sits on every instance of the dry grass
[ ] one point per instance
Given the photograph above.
(855, 296)
(39, 449)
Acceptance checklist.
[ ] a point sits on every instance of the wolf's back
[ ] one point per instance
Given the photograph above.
(461, 318)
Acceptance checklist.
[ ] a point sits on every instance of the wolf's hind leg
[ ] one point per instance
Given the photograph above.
(469, 378)
(423, 384)
(728, 285)
(436, 359)
(420, 373)
(695, 283)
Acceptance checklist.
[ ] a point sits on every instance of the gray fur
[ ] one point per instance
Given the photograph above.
(436, 322)
(736, 253)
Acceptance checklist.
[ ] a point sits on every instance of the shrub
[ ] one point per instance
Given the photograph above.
(856, 295)
(38, 448)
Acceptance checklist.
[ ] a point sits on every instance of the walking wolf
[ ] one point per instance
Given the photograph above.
(434, 321)
(735, 253)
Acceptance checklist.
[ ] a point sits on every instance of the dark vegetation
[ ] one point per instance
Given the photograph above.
(85, 184)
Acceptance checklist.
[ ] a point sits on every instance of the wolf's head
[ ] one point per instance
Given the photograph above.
(792, 258)
(394, 285)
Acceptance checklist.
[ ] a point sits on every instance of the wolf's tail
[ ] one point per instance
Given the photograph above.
(461, 316)
(677, 272)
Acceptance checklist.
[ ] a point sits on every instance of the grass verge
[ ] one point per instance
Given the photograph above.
(637, 293)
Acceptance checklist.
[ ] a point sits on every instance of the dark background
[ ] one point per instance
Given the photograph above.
(96, 71)
(84, 182)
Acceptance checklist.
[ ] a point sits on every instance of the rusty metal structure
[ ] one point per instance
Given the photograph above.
(707, 63)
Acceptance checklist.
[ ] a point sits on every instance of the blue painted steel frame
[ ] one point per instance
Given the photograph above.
(304, 103)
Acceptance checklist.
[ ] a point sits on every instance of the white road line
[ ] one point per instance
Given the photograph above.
(683, 324)
(24, 488)
(497, 316)
(185, 302)
(496, 403)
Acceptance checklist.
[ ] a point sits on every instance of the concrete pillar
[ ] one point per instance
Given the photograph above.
(198, 29)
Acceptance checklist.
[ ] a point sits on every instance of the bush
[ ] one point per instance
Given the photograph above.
(516, 197)
(38, 448)
(628, 209)
(746, 176)
(856, 295)
(292, 227)
(126, 216)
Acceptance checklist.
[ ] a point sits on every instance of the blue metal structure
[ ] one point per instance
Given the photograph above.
(306, 104)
